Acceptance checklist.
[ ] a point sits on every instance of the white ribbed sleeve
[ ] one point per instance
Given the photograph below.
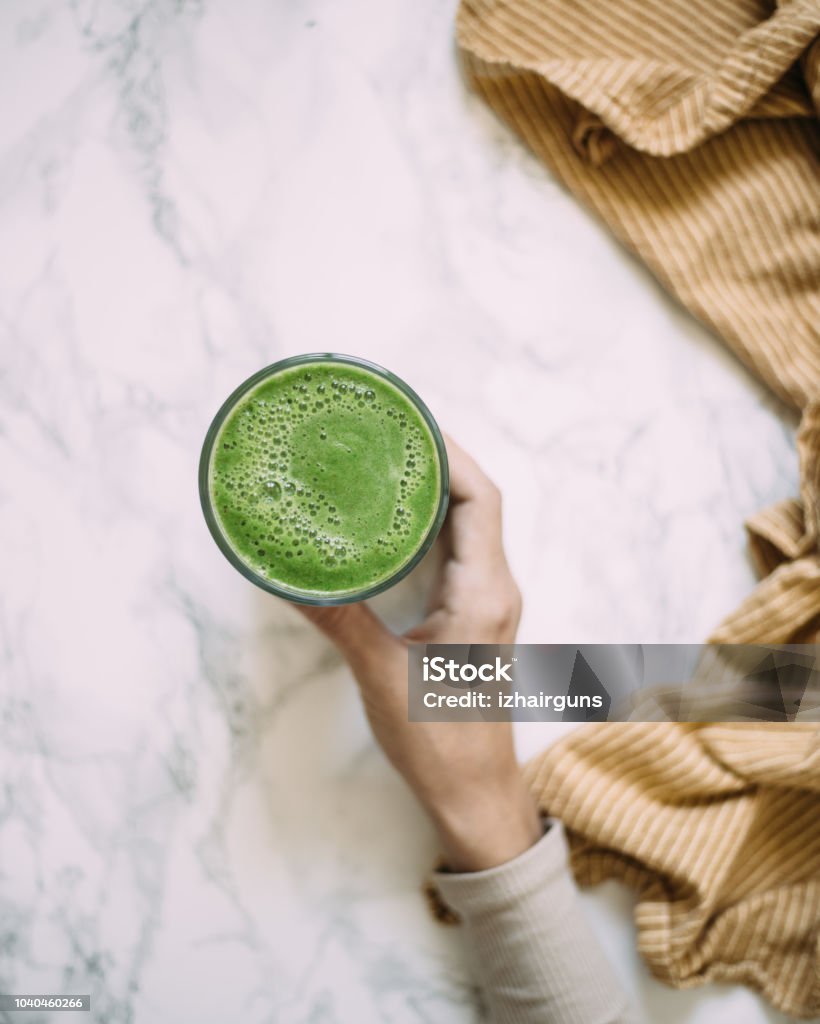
(535, 956)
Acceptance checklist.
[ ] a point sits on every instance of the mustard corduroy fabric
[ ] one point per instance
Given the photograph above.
(717, 829)
(691, 130)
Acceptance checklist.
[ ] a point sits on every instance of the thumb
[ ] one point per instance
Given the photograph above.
(361, 637)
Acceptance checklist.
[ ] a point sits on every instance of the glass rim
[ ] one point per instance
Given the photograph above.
(212, 519)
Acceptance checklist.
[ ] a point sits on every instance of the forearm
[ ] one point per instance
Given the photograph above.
(537, 959)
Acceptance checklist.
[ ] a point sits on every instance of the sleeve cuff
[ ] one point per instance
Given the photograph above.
(543, 865)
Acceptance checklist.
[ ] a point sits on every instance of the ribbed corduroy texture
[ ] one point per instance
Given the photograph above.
(691, 129)
(717, 828)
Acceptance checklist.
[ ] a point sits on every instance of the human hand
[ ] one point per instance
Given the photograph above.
(465, 774)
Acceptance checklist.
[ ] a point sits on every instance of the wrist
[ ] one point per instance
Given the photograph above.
(487, 834)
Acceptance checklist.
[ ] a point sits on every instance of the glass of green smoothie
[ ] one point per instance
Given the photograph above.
(323, 479)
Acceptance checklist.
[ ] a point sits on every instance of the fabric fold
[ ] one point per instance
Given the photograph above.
(783, 540)
(658, 104)
(716, 828)
(692, 132)
(696, 140)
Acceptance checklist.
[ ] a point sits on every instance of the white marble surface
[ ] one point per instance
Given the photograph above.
(194, 823)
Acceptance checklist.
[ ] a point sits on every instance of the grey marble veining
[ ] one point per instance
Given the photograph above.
(194, 822)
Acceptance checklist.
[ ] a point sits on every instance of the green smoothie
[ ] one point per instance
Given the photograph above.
(325, 479)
